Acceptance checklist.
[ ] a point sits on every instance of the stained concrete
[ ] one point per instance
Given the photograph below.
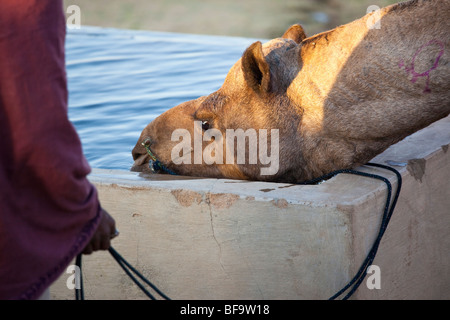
(200, 238)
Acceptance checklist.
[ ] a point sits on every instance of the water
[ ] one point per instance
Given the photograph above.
(120, 80)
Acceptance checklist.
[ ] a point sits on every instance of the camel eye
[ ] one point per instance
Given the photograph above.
(205, 125)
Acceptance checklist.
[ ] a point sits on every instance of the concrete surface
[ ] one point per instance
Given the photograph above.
(226, 239)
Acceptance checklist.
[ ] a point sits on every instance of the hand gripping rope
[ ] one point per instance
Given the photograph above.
(352, 285)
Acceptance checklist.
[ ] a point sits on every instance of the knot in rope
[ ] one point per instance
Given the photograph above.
(154, 164)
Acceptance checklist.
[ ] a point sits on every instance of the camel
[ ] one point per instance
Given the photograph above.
(326, 102)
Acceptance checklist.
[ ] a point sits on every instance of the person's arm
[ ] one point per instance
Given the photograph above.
(49, 211)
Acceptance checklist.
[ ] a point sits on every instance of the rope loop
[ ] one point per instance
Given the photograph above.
(352, 285)
(355, 282)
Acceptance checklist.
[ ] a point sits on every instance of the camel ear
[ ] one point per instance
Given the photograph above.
(255, 68)
(295, 33)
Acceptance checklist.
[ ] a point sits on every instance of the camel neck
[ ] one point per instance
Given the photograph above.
(361, 74)
(361, 89)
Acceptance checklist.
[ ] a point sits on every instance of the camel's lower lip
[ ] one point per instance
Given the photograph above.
(141, 168)
(143, 164)
(146, 168)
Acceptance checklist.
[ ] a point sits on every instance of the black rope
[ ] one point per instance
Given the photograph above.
(124, 264)
(157, 166)
(355, 281)
(388, 210)
(79, 293)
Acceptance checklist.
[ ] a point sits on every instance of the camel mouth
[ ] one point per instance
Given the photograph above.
(140, 162)
(142, 159)
(148, 162)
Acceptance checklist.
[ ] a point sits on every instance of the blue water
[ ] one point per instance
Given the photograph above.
(120, 80)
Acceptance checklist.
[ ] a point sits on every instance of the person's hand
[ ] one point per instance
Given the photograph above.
(106, 230)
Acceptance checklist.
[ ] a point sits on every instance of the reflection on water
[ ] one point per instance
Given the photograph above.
(120, 80)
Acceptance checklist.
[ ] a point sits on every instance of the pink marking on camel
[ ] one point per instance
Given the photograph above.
(410, 69)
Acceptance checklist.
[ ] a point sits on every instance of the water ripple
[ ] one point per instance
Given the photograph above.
(120, 80)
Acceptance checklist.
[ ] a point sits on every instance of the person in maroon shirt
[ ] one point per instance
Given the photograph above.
(49, 211)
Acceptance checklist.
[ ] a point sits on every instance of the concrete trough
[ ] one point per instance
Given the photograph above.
(200, 239)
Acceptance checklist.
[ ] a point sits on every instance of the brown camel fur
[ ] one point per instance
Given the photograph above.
(337, 99)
